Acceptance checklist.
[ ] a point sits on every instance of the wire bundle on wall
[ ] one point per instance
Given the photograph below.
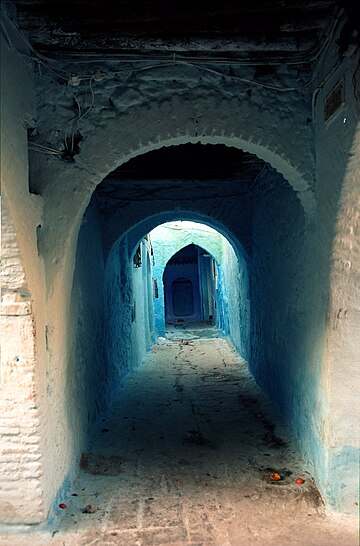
(204, 65)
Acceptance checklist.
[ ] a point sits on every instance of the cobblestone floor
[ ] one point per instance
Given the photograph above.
(185, 458)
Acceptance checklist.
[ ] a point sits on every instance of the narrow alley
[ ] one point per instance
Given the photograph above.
(186, 456)
(180, 265)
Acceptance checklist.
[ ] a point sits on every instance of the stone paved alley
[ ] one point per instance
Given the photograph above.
(185, 457)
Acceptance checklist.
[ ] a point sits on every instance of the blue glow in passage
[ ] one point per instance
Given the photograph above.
(199, 261)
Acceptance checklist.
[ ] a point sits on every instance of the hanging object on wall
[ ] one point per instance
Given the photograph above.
(137, 257)
(156, 288)
(151, 250)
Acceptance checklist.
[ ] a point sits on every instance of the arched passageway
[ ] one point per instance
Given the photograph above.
(191, 408)
(219, 288)
(283, 190)
(235, 193)
(191, 403)
(112, 340)
(77, 312)
(184, 290)
(270, 304)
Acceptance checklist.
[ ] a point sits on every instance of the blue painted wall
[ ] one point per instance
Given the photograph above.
(129, 307)
(87, 377)
(235, 298)
(288, 326)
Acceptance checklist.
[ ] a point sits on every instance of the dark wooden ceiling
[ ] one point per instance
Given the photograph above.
(253, 26)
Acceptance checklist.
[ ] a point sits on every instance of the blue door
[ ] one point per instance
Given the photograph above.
(183, 297)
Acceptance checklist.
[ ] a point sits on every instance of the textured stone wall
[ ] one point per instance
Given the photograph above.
(23, 403)
(153, 109)
(21, 487)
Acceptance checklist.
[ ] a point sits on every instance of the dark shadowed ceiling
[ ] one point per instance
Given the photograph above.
(191, 161)
(256, 26)
(208, 171)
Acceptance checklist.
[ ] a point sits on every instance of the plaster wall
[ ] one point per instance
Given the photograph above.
(87, 375)
(286, 306)
(337, 147)
(235, 298)
(135, 112)
(128, 306)
(23, 403)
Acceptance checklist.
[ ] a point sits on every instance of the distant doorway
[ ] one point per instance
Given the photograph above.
(190, 286)
(183, 297)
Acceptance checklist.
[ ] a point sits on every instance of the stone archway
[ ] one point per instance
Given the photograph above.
(271, 126)
(170, 121)
(57, 238)
(118, 273)
(232, 299)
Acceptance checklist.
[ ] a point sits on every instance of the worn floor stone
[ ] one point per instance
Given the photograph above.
(184, 458)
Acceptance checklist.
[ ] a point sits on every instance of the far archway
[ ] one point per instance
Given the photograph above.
(211, 279)
(190, 287)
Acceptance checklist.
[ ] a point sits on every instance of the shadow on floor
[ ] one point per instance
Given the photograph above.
(187, 456)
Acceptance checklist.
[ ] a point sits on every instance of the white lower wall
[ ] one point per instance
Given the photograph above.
(23, 406)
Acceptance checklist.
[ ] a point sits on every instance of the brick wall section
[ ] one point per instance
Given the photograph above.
(21, 498)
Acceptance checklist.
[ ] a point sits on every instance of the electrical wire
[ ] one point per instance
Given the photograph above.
(77, 118)
(44, 61)
(92, 100)
(34, 146)
(7, 36)
(197, 63)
